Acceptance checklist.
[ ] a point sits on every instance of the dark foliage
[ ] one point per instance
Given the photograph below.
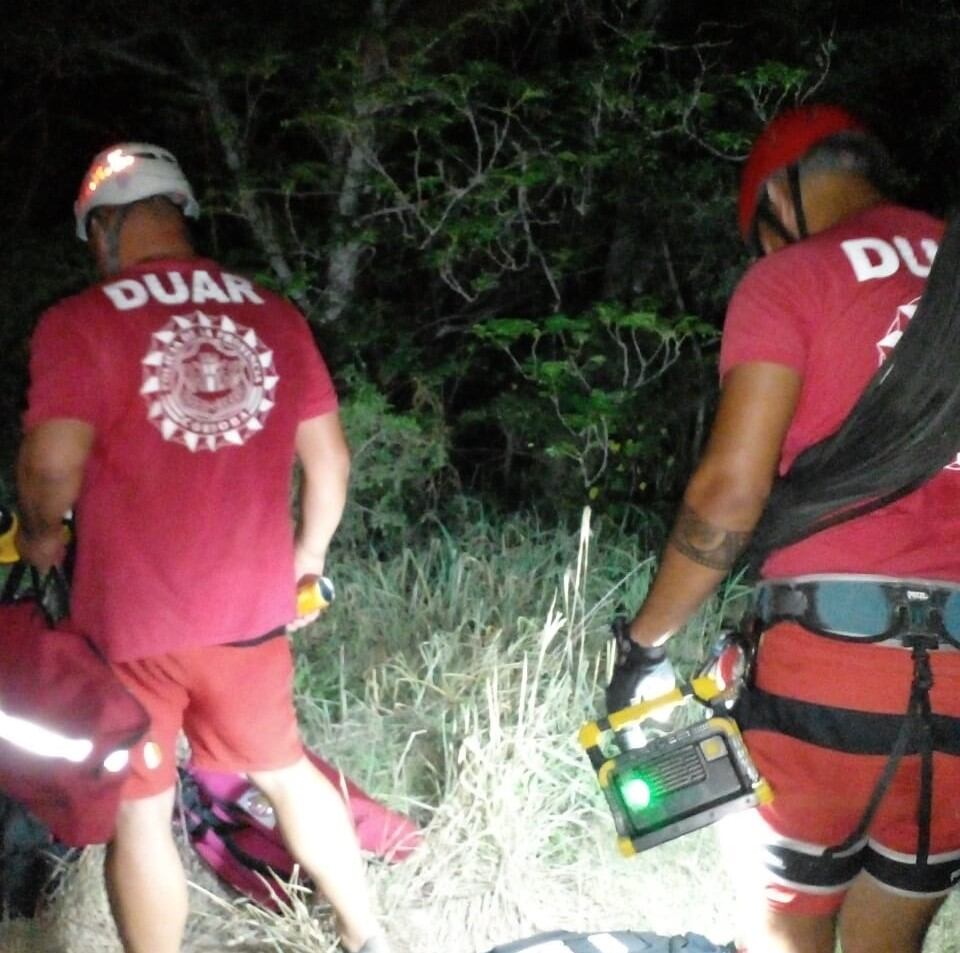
(417, 173)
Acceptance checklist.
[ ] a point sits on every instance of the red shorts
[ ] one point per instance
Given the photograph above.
(233, 702)
(822, 774)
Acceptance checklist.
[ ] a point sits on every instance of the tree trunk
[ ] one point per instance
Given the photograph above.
(257, 215)
(358, 144)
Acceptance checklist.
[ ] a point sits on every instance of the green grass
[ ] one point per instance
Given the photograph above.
(451, 681)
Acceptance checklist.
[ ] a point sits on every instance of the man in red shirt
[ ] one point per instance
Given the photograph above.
(806, 330)
(167, 406)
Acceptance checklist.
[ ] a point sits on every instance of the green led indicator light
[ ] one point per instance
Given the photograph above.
(636, 793)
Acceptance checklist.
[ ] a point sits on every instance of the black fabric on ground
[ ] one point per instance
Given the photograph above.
(27, 860)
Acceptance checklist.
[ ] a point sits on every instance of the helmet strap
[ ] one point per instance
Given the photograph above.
(768, 217)
(793, 178)
(111, 233)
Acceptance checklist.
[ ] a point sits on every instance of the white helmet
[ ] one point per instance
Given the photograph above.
(128, 172)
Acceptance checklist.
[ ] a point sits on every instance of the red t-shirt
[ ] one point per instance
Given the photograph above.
(832, 307)
(195, 381)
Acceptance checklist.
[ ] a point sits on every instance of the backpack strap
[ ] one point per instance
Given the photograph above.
(50, 592)
(200, 818)
(11, 585)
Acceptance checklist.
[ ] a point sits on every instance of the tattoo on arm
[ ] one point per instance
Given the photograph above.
(705, 543)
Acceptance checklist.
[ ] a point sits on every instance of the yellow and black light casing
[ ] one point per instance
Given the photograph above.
(678, 782)
(9, 524)
(8, 534)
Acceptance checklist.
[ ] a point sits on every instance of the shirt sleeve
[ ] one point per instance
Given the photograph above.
(317, 393)
(66, 376)
(767, 317)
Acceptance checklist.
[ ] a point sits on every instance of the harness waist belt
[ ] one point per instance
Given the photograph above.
(877, 609)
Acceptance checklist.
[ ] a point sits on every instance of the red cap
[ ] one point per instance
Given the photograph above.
(787, 139)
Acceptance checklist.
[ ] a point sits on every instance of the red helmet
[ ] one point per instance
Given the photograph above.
(787, 139)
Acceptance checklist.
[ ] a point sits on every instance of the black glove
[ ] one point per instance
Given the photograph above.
(641, 672)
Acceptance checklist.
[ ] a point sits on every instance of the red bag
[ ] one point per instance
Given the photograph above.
(232, 827)
(66, 724)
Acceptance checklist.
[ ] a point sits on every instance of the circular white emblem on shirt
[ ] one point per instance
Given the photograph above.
(208, 381)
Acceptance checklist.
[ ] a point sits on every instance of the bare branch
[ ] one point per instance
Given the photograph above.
(233, 146)
(146, 65)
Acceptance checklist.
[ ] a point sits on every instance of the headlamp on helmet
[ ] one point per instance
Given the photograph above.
(129, 172)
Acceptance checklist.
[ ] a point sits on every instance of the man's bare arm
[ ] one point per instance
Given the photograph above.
(325, 457)
(705, 543)
(724, 498)
(50, 468)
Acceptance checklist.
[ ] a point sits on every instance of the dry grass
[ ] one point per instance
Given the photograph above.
(464, 712)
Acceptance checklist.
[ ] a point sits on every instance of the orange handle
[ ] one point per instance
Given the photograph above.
(8, 530)
(314, 594)
(9, 524)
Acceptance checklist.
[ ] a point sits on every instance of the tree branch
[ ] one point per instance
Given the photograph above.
(227, 128)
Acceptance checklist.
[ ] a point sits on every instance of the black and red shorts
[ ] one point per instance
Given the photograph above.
(820, 725)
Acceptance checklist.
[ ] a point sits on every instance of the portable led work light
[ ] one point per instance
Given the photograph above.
(676, 783)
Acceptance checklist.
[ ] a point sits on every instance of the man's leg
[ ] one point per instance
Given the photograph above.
(145, 879)
(319, 833)
(874, 920)
(761, 928)
(771, 932)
